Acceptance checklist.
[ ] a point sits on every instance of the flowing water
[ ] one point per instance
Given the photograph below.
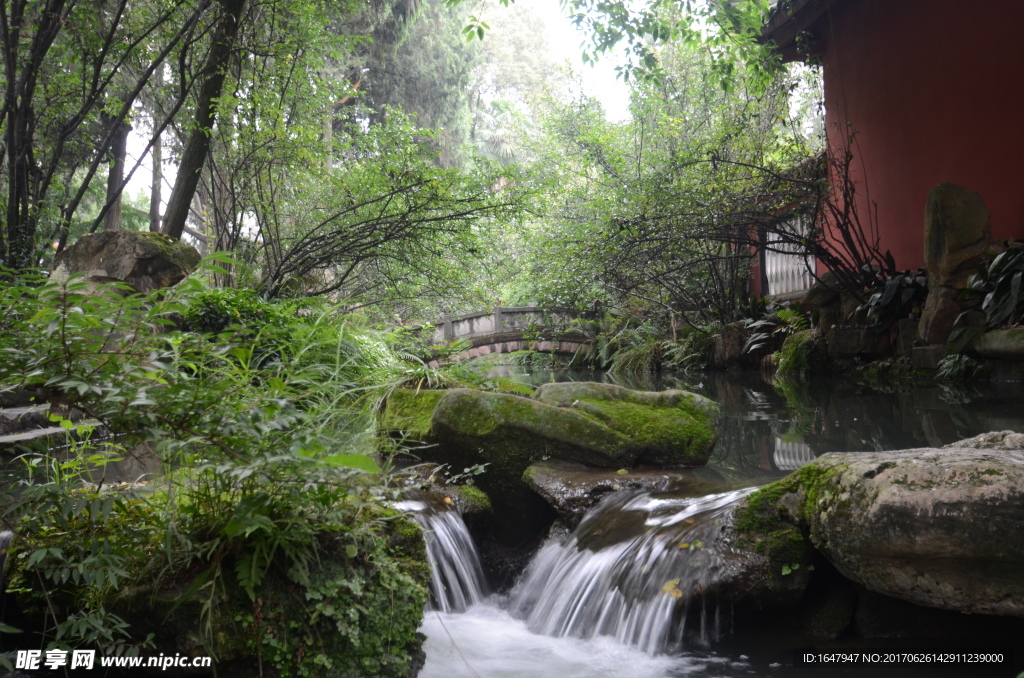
(620, 595)
(628, 572)
(456, 577)
(591, 605)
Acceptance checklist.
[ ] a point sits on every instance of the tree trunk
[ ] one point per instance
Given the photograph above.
(118, 150)
(197, 148)
(154, 195)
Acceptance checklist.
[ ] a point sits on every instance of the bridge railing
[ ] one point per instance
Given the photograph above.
(499, 319)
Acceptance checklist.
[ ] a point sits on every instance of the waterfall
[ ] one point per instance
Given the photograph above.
(456, 576)
(632, 570)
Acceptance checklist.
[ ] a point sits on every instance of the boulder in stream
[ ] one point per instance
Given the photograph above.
(594, 425)
(669, 428)
(930, 526)
(573, 489)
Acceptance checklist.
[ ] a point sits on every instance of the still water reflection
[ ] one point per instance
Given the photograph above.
(768, 430)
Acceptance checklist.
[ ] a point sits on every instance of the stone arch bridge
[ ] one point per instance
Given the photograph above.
(509, 328)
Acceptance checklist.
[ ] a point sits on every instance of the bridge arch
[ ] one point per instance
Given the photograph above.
(505, 330)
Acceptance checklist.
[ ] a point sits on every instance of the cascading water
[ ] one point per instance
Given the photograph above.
(630, 571)
(456, 576)
(593, 606)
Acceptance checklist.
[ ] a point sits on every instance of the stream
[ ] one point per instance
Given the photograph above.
(607, 599)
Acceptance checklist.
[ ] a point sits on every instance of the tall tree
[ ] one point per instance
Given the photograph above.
(197, 147)
(428, 76)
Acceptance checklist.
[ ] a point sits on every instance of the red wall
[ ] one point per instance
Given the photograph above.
(935, 91)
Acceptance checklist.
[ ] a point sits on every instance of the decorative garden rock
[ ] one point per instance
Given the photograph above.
(956, 232)
(599, 426)
(146, 261)
(929, 526)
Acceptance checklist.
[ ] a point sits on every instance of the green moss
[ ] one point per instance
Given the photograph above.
(775, 520)
(176, 251)
(669, 428)
(799, 356)
(675, 434)
(408, 412)
(468, 498)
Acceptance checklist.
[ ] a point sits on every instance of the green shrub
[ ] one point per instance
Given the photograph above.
(999, 283)
(271, 513)
(958, 367)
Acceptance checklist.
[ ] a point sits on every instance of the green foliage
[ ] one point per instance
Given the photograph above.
(214, 310)
(895, 296)
(777, 322)
(798, 357)
(692, 351)
(647, 216)
(999, 282)
(958, 367)
(269, 488)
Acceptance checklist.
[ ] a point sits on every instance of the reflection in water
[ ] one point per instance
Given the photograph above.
(769, 430)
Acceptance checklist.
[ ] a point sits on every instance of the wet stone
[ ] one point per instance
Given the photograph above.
(573, 489)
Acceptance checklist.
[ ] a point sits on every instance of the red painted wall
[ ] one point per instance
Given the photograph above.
(935, 91)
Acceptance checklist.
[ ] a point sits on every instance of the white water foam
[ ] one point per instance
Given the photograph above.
(630, 571)
(487, 642)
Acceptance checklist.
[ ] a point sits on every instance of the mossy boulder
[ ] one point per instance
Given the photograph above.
(512, 431)
(669, 428)
(600, 426)
(146, 261)
(928, 526)
(407, 413)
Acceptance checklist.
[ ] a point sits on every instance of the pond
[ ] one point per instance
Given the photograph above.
(766, 432)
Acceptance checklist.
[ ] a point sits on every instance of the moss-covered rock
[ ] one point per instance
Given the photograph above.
(596, 425)
(407, 413)
(669, 428)
(146, 261)
(469, 500)
(928, 526)
(511, 432)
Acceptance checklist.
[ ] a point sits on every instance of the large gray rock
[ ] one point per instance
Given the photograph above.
(956, 232)
(1001, 344)
(146, 261)
(938, 317)
(930, 526)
